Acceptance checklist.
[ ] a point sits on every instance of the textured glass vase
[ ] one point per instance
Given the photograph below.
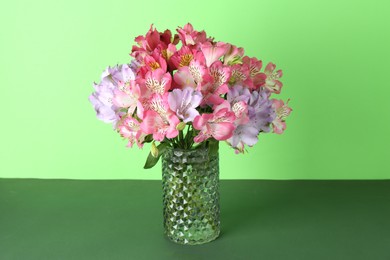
(190, 180)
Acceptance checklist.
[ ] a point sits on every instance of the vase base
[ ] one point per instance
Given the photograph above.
(188, 239)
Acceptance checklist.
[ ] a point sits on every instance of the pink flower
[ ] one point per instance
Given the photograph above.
(159, 104)
(198, 69)
(127, 96)
(127, 91)
(182, 58)
(156, 81)
(130, 129)
(146, 44)
(253, 66)
(239, 75)
(183, 78)
(154, 124)
(248, 73)
(152, 41)
(194, 74)
(189, 36)
(282, 111)
(272, 82)
(239, 107)
(213, 90)
(167, 55)
(153, 62)
(212, 52)
(219, 124)
(233, 55)
(166, 37)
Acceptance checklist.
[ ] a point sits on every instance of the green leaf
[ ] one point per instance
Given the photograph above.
(148, 139)
(151, 160)
(213, 147)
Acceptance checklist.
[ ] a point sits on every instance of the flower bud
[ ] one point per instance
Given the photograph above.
(180, 126)
(154, 150)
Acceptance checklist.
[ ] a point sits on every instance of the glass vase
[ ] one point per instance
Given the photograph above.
(190, 180)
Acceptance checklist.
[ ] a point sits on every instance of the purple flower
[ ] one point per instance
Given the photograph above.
(260, 114)
(238, 93)
(121, 74)
(260, 111)
(135, 65)
(102, 98)
(184, 103)
(244, 134)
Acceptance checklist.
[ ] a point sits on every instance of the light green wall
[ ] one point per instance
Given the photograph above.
(334, 54)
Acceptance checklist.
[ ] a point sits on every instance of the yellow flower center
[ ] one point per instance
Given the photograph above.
(154, 65)
(185, 60)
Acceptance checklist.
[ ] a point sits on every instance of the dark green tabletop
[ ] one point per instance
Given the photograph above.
(122, 219)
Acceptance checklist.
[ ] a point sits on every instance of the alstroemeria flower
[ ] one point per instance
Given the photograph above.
(282, 111)
(248, 73)
(156, 81)
(240, 75)
(130, 129)
(260, 115)
(189, 36)
(154, 124)
(233, 55)
(102, 99)
(238, 97)
(238, 93)
(260, 110)
(254, 66)
(212, 52)
(272, 82)
(167, 55)
(127, 96)
(182, 58)
(159, 104)
(124, 92)
(153, 62)
(198, 69)
(166, 37)
(243, 135)
(184, 103)
(212, 90)
(152, 40)
(194, 74)
(120, 74)
(135, 65)
(183, 78)
(219, 124)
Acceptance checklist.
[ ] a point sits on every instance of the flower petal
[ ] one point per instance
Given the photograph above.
(222, 131)
(174, 98)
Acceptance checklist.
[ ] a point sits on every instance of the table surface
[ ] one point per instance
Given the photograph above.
(261, 219)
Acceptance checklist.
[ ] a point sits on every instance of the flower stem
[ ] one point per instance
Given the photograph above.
(181, 138)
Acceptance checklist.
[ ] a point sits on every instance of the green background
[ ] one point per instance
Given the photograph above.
(334, 55)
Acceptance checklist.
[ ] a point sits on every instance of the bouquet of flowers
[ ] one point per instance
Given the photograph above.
(186, 91)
